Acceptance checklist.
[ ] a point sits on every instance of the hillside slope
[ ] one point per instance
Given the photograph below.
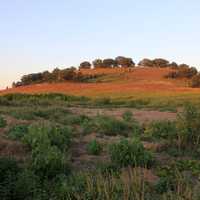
(116, 83)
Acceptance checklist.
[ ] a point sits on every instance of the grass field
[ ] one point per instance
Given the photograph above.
(60, 147)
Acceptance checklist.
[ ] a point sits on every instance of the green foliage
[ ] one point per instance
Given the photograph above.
(162, 129)
(49, 161)
(49, 145)
(3, 122)
(125, 153)
(27, 186)
(8, 176)
(87, 126)
(163, 185)
(127, 116)
(94, 148)
(48, 135)
(111, 126)
(188, 126)
(18, 131)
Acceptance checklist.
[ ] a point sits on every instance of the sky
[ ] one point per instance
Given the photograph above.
(39, 35)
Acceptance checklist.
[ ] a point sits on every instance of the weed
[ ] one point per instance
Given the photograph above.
(3, 122)
(94, 148)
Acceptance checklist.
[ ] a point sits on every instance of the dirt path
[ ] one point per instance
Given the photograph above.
(142, 116)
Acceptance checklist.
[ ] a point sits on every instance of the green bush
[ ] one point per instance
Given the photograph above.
(49, 161)
(48, 135)
(188, 126)
(18, 131)
(162, 129)
(9, 170)
(94, 148)
(88, 126)
(27, 186)
(127, 116)
(2, 122)
(48, 145)
(111, 126)
(125, 153)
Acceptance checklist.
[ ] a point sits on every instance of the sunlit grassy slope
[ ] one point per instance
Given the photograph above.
(148, 85)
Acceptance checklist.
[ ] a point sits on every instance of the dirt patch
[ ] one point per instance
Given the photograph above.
(143, 116)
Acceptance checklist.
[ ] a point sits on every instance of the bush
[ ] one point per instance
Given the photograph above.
(188, 126)
(88, 126)
(94, 148)
(111, 126)
(27, 186)
(2, 122)
(18, 131)
(48, 135)
(9, 170)
(127, 116)
(125, 153)
(162, 129)
(49, 161)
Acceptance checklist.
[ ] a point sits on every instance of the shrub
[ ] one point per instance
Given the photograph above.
(2, 122)
(125, 153)
(188, 126)
(94, 148)
(27, 186)
(9, 170)
(111, 126)
(48, 135)
(18, 131)
(162, 129)
(87, 126)
(127, 116)
(49, 161)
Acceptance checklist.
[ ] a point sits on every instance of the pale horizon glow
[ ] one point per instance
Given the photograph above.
(40, 35)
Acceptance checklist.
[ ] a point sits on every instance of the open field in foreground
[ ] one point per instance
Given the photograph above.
(62, 147)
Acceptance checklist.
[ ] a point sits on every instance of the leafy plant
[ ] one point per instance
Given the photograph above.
(125, 153)
(111, 126)
(162, 129)
(49, 161)
(2, 122)
(127, 116)
(94, 148)
(18, 131)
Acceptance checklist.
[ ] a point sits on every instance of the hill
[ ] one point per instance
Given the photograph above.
(121, 84)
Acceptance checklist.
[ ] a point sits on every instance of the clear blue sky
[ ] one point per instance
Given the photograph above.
(37, 35)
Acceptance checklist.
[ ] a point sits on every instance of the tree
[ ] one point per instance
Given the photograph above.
(160, 62)
(195, 82)
(85, 65)
(146, 63)
(98, 63)
(56, 74)
(183, 66)
(109, 62)
(173, 65)
(124, 62)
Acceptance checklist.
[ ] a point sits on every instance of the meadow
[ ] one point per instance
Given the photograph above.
(55, 146)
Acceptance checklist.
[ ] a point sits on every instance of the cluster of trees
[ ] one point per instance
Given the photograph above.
(57, 75)
(157, 62)
(72, 74)
(119, 61)
(183, 71)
